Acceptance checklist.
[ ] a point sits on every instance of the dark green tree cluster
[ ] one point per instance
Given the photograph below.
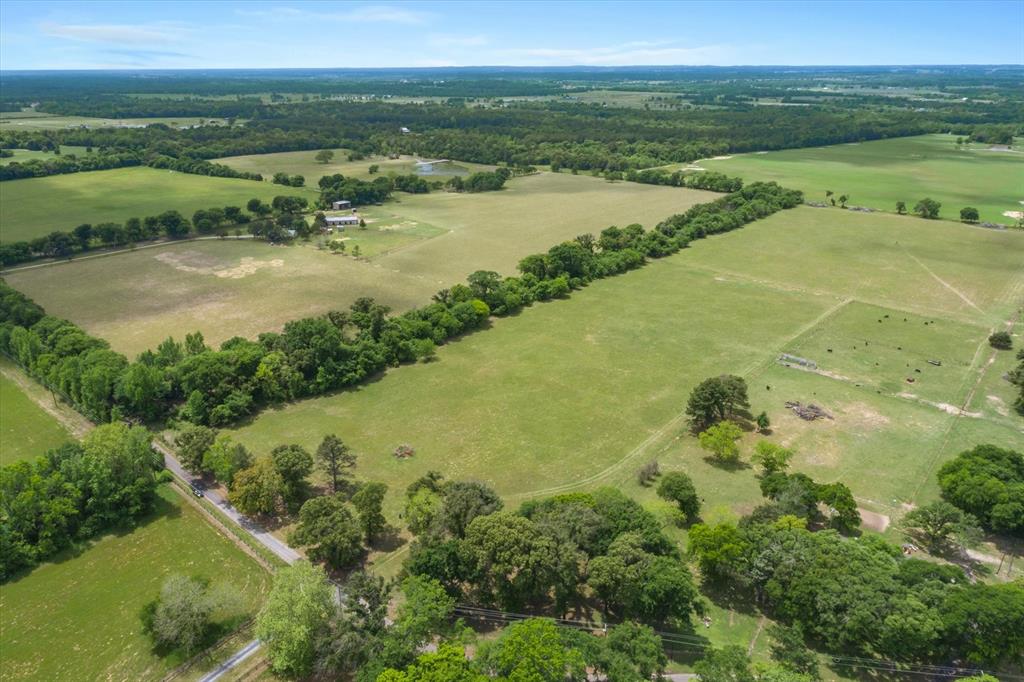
(717, 399)
(183, 616)
(288, 180)
(798, 495)
(67, 163)
(484, 181)
(988, 483)
(861, 594)
(709, 180)
(74, 492)
(201, 167)
(555, 552)
(360, 192)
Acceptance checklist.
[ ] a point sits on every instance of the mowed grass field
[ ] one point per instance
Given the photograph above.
(22, 155)
(579, 393)
(882, 172)
(34, 207)
(26, 430)
(305, 164)
(78, 617)
(415, 246)
(31, 120)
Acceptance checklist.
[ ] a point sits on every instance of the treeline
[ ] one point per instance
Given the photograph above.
(337, 187)
(312, 356)
(707, 180)
(74, 492)
(538, 133)
(70, 163)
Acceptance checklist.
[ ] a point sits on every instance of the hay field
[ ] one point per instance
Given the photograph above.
(882, 172)
(239, 287)
(33, 120)
(26, 429)
(305, 164)
(78, 617)
(34, 207)
(579, 393)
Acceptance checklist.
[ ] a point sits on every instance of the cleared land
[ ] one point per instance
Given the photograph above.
(882, 172)
(34, 207)
(30, 120)
(78, 617)
(422, 242)
(26, 430)
(22, 155)
(306, 165)
(581, 393)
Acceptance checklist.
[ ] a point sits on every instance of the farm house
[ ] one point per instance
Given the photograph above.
(340, 205)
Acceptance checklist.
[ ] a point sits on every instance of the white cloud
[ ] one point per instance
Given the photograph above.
(450, 40)
(638, 53)
(119, 34)
(382, 14)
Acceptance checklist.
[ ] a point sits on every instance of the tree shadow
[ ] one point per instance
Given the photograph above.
(738, 465)
(389, 540)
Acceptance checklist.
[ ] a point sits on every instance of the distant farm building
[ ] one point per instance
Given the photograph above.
(341, 205)
(404, 130)
(342, 221)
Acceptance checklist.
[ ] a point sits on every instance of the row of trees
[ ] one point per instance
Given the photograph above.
(169, 224)
(74, 492)
(314, 355)
(306, 633)
(72, 163)
(709, 180)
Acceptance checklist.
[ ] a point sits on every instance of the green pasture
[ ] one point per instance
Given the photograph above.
(23, 155)
(306, 165)
(580, 393)
(78, 616)
(882, 172)
(929, 267)
(415, 246)
(34, 207)
(559, 396)
(26, 430)
(892, 351)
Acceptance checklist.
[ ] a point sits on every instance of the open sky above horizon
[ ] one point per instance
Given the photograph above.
(40, 34)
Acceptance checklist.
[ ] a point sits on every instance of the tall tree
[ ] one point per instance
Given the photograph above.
(297, 611)
(369, 504)
(258, 489)
(329, 530)
(677, 487)
(334, 458)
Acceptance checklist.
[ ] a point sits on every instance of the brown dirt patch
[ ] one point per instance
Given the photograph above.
(873, 520)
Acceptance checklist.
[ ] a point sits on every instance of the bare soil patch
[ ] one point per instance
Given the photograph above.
(873, 520)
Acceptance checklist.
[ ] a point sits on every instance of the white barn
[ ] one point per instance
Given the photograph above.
(342, 221)
(340, 205)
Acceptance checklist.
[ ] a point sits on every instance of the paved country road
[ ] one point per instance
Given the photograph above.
(286, 553)
(227, 665)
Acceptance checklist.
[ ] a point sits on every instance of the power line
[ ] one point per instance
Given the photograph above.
(679, 641)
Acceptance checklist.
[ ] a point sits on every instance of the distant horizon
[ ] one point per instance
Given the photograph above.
(105, 35)
(514, 67)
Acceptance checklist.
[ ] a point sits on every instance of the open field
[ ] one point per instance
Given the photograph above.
(882, 172)
(78, 617)
(31, 120)
(581, 393)
(22, 155)
(306, 165)
(26, 430)
(241, 287)
(34, 207)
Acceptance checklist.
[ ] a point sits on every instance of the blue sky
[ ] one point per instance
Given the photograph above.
(292, 34)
